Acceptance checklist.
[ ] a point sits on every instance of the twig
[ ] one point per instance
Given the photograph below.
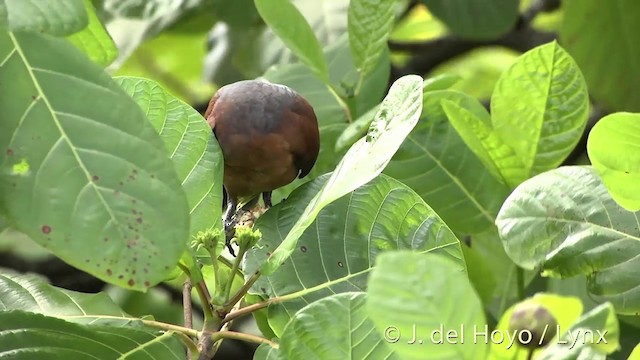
(241, 292)
(170, 327)
(203, 294)
(234, 269)
(242, 336)
(187, 310)
(188, 342)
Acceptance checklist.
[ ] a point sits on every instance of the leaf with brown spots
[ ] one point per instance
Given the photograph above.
(81, 138)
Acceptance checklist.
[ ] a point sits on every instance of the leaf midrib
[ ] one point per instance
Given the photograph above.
(63, 134)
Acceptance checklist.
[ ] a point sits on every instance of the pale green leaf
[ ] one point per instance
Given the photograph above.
(366, 159)
(635, 354)
(266, 352)
(564, 309)
(369, 24)
(594, 335)
(540, 107)
(82, 169)
(614, 151)
(420, 294)
(477, 132)
(55, 17)
(565, 223)
(359, 127)
(94, 40)
(292, 28)
(191, 145)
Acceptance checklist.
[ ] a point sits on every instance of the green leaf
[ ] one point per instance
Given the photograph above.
(266, 352)
(191, 145)
(614, 150)
(363, 94)
(28, 336)
(82, 168)
(55, 17)
(600, 36)
(94, 40)
(635, 354)
(420, 294)
(595, 333)
(539, 109)
(32, 294)
(358, 128)
(370, 24)
(440, 167)
(366, 159)
(564, 222)
(476, 19)
(486, 144)
(336, 327)
(337, 254)
(259, 48)
(292, 28)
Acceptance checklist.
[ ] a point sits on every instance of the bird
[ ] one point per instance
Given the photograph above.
(269, 136)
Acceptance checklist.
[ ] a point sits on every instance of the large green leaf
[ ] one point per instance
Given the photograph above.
(292, 28)
(27, 336)
(365, 160)
(419, 294)
(438, 165)
(614, 151)
(94, 40)
(55, 17)
(191, 145)
(336, 327)
(539, 110)
(476, 19)
(600, 35)
(564, 222)
(337, 254)
(370, 24)
(32, 294)
(82, 168)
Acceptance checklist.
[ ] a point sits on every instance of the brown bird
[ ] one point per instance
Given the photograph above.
(269, 136)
